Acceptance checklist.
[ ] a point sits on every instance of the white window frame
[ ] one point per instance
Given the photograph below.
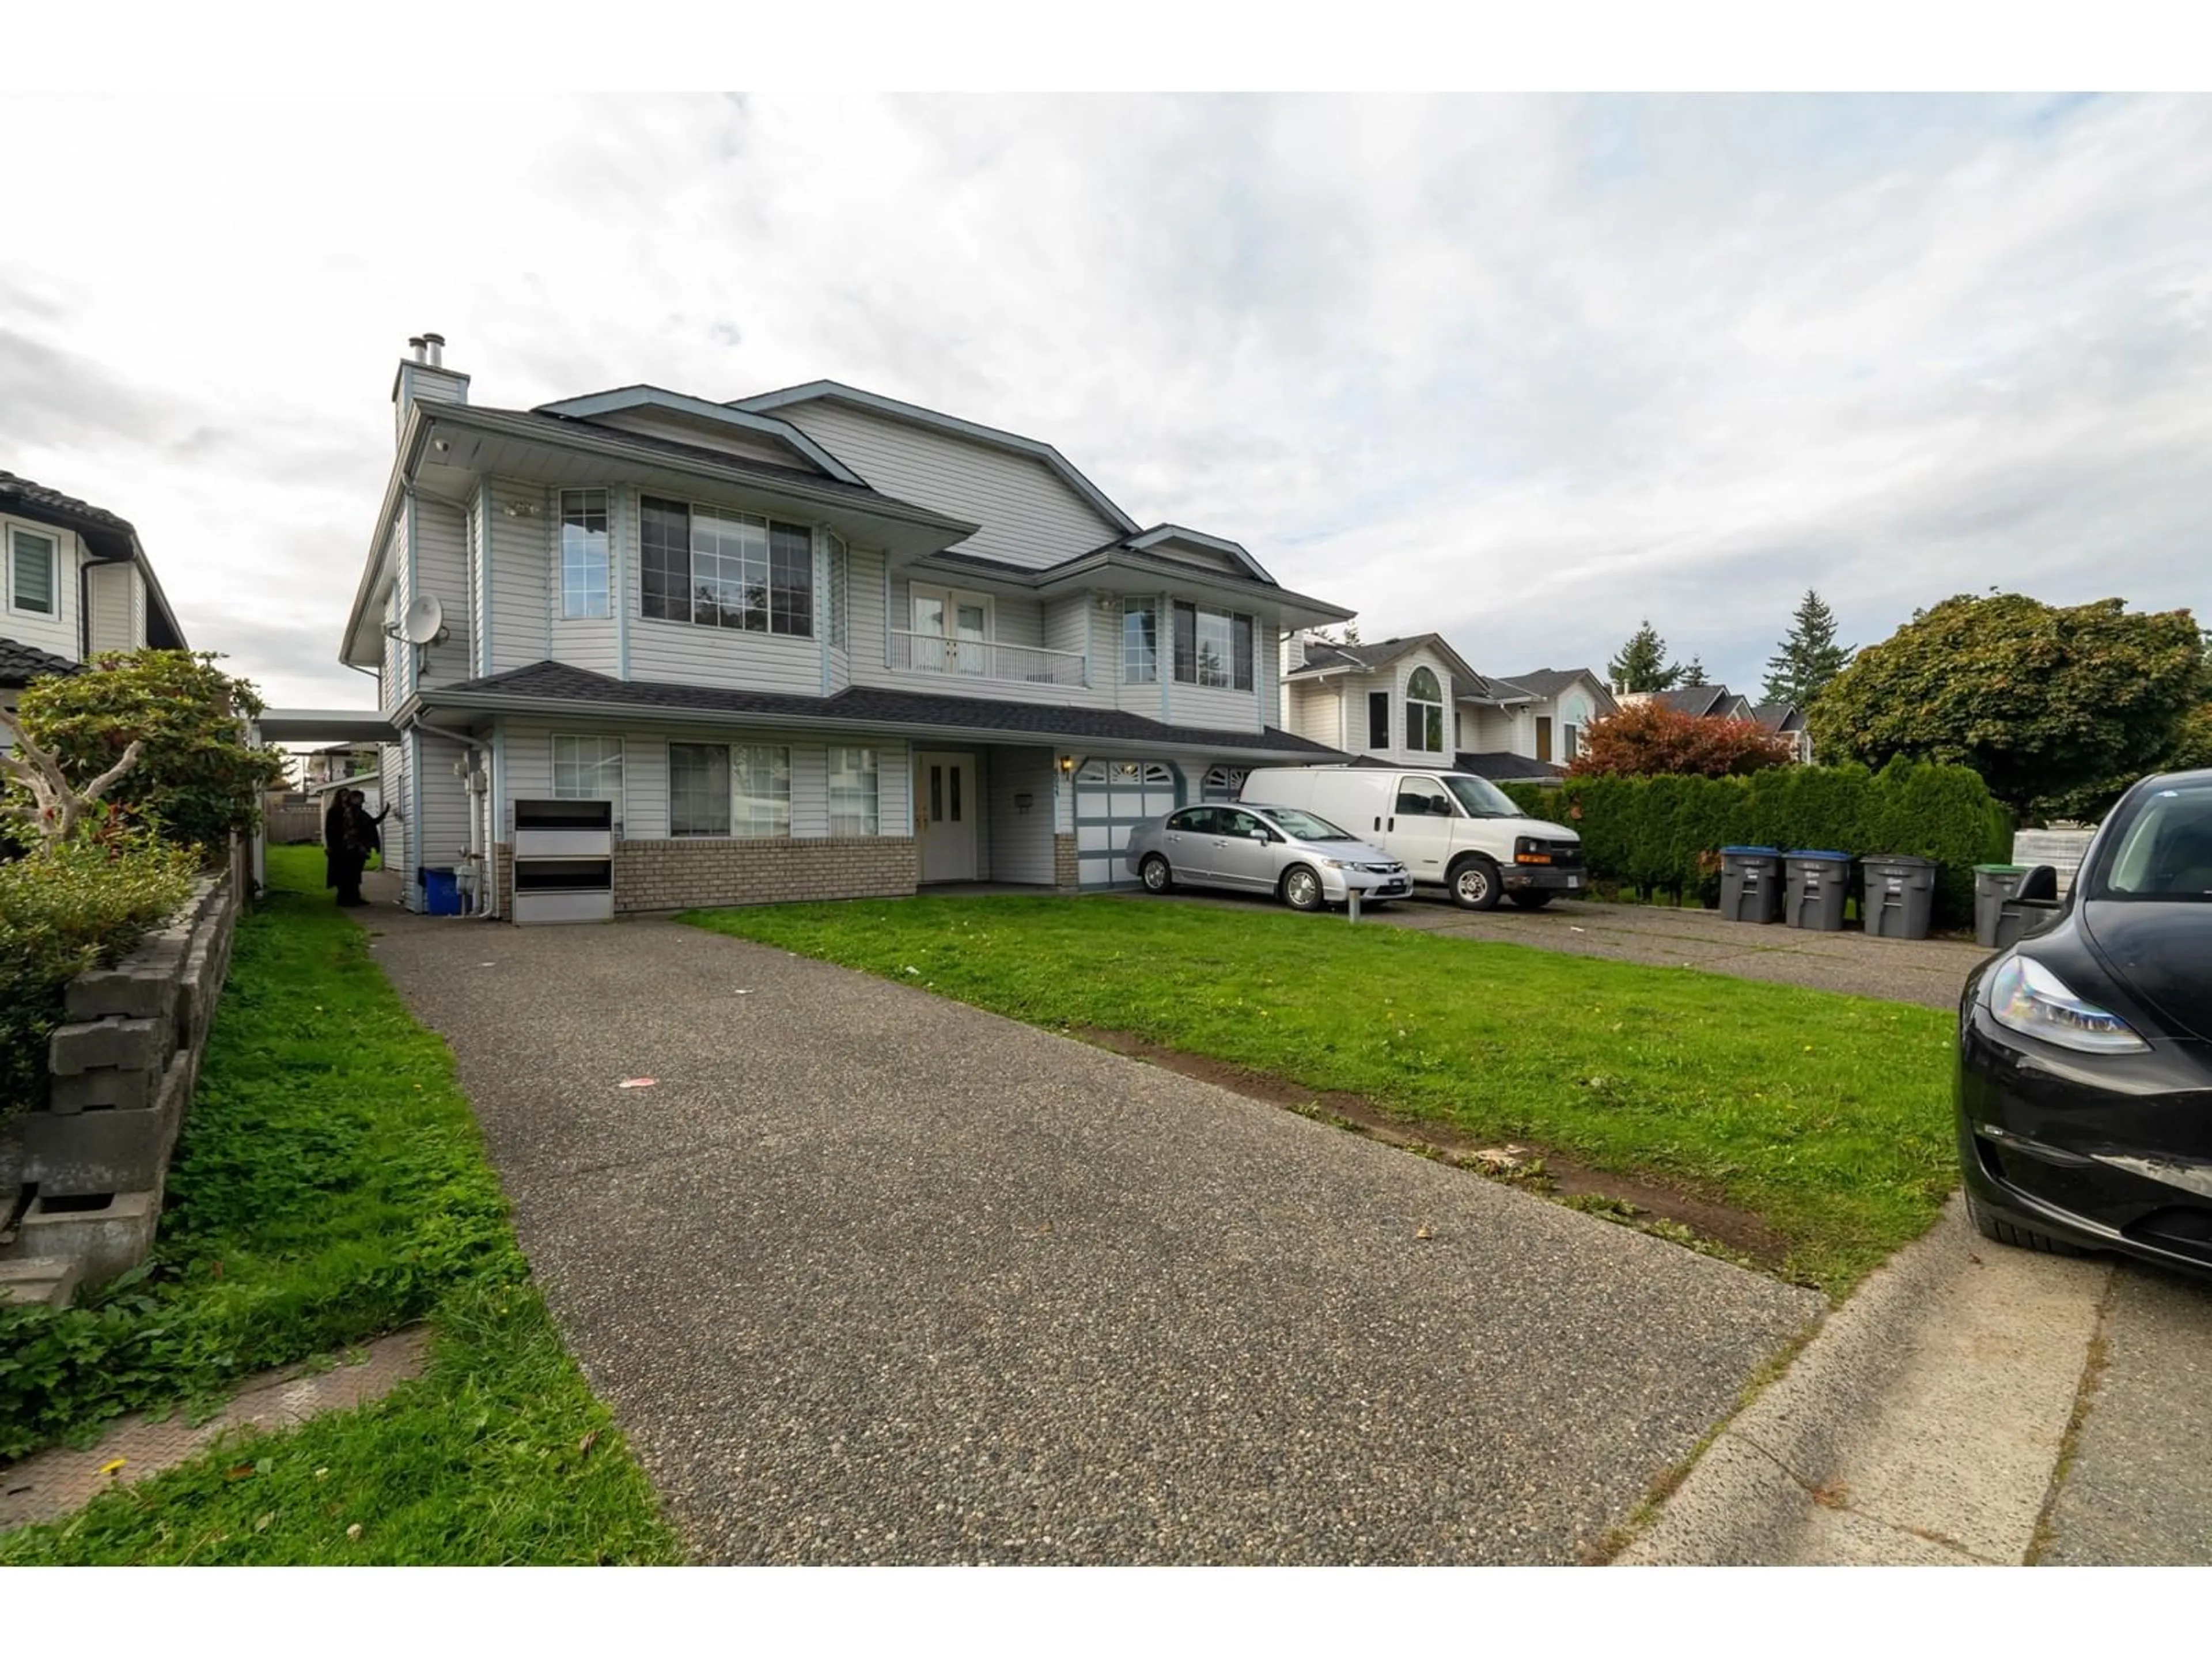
(743, 518)
(746, 823)
(1413, 703)
(619, 759)
(572, 612)
(1140, 605)
(841, 766)
(948, 659)
(11, 528)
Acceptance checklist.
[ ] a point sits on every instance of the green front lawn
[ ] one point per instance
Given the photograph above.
(1825, 1116)
(330, 1186)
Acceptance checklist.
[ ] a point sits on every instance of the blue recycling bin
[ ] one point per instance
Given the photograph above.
(442, 894)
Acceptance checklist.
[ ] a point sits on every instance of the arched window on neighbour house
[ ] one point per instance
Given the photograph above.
(1424, 712)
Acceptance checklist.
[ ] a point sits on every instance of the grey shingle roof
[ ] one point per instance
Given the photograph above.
(871, 705)
(36, 501)
(21, 663)
(1693, 699)
(1779, 716)
(1381, 653)
(1500, 768)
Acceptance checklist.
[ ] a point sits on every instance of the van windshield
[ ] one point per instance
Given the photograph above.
(1479, 797)
(1305, 826)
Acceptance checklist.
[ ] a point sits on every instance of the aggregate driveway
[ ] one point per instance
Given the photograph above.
(1926, 971)
(870, 1276)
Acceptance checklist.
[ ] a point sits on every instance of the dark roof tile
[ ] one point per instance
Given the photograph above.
(21, 663)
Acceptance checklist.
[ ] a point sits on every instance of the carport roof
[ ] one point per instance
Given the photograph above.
(566, 689)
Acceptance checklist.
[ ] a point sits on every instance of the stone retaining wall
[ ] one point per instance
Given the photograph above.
(94, 1158)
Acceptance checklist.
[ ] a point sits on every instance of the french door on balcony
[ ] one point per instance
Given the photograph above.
(951, 631)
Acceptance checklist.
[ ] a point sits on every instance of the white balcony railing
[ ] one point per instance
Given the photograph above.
(984, 660)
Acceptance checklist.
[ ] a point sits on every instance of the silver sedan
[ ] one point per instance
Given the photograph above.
(1305, 861)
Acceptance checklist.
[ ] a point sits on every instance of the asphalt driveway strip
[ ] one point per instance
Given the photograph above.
(870, 1276)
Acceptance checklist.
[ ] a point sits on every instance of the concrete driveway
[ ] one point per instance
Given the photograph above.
(1926, 971)
(871, 1276)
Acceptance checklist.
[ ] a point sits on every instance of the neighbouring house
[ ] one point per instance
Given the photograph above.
(1416, 702)
(1789, 719)
(339, 763)
(816, 643)
(1719, 703)
(1715, 701)
(1563, 701)
(74, 582)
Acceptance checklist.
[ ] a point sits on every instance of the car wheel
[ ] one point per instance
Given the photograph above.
(2021, 1238)
(1531, 901)
(1155, 875)
(1301, 889)
(1474, 884)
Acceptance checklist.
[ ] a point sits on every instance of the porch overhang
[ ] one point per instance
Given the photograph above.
(325, 726)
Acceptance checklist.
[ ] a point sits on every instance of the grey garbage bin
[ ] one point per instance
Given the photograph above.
(1817, 882)
(1900, 895)
(2007, 897)
(1751, 884)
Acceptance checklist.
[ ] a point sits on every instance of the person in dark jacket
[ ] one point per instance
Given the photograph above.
(367, 825)
(344, 851)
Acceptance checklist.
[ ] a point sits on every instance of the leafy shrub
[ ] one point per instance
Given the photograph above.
(1658, 834)
(1649, 739)
(197, 779)
(64, 909)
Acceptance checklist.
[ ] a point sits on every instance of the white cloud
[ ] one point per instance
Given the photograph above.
(1521, 370)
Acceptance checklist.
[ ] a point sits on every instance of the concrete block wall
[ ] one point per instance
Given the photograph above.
(671, 875)
(81, 1175)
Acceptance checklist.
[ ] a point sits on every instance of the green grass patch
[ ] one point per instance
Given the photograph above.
(1826, 1116)
(330, 1186)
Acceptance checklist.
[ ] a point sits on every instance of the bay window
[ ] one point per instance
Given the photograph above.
(719, 568)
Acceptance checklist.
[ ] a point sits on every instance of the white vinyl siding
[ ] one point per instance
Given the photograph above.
(1020, 842)
(111, 613)
(1030, 516)
(443, 815)
(442, 568)
(521, 604)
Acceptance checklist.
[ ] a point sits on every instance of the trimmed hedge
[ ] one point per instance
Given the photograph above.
(1661, 834)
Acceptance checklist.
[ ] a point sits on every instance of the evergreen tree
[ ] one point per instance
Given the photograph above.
(1642, 664)
(1693, 673)
(1809, 656)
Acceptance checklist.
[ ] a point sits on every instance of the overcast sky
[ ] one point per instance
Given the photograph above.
(1520, 370)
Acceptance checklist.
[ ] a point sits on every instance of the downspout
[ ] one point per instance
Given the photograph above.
(485, 884)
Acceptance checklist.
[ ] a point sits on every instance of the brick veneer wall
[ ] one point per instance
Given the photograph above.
(502, 856)
(671, 875)
(1067, 869)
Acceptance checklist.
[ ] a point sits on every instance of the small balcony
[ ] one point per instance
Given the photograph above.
(984, 660)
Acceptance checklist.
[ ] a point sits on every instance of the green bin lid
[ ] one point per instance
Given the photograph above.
(2000, 869)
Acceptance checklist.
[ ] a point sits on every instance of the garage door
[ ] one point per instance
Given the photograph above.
(1111, 797)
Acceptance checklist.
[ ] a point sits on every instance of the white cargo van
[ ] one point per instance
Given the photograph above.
(1450, 829)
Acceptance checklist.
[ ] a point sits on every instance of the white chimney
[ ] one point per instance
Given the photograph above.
(423, 378)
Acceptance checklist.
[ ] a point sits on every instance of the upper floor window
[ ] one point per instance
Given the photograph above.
(723, 570)
(31, 583)
(1378, 719)
(1213, 648)
(585, 590)
(1140, 641)
(587, 769)
(1424, 712)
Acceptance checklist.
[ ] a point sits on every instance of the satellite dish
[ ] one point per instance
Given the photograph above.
(425, 621)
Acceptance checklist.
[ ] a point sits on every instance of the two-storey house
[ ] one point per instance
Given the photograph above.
(74, 582)
(1548, 727)
(813, 643)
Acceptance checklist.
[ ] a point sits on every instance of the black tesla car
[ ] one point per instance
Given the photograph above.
(2085, 1050)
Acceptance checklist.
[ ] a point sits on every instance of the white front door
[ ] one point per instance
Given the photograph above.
(944, 809)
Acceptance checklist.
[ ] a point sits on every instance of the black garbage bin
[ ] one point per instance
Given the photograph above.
(1900, 895)
(1751, 884)
(1815, 886)
(2008, 897)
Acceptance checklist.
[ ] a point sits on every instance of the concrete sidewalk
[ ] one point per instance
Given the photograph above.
(868, 1275)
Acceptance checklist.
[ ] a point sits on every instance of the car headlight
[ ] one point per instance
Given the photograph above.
(1338, 864)
(2026, 996)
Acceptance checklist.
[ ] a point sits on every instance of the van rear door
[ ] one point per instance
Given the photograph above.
(1419, 830)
